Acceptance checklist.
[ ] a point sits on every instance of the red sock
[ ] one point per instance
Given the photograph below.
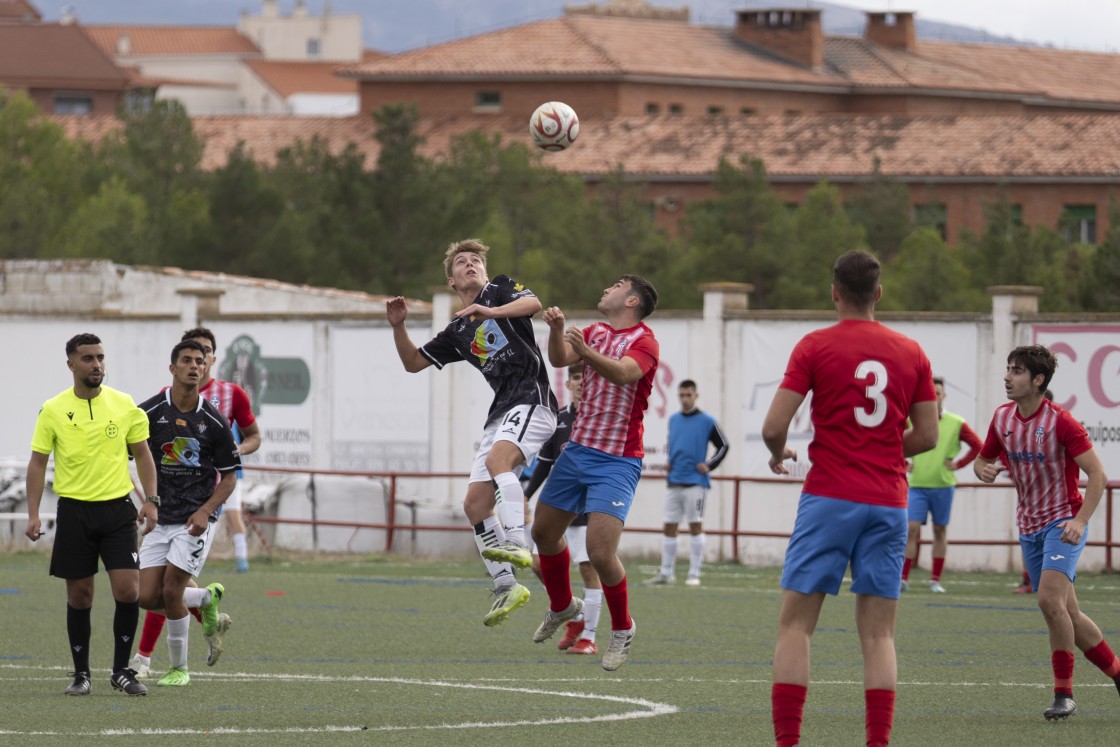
(938, 566)
(1026, 577)
(787, 703)
(906, 569)
(1062, 662)
(195, 613)
(557, 579)
(618, 602)
(879, 716)
(153, 626)
(1106, 661)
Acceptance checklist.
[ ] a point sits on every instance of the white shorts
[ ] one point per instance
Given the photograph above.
(685, 502)
(174, 545)
(528, 426)
(233, 503)
(577, 544)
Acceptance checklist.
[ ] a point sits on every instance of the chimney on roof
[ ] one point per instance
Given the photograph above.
(300, 9)
(67, 16)
(124, 44)
(269, 9)
(792, 33)
(896, 30)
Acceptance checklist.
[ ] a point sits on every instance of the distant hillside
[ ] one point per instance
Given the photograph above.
(399, 25)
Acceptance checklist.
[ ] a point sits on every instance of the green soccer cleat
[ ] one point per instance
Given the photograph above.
(176, 677)
(515, 555)
(209, 611)
(505, 602)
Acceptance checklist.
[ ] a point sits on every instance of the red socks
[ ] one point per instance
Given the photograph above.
(1106, 661)
(1062, 661)
(153, 626)
(618, 602)
(938, 566)
(906, 569)
(557, 579)
(787, 703)
(879, 716)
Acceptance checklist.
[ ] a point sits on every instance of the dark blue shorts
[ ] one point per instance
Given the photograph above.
(592, 481)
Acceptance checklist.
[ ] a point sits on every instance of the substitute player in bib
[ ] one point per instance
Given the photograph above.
(494, 333)
(866, 380)
(196, 445)
(91, 428)
(1045, 450)
(599, 469)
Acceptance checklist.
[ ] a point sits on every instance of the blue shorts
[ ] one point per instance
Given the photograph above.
(935, 502)
(592, 481)
(1044, 550)
(830, 533)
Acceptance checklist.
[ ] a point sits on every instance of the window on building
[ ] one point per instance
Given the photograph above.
(652, 108)
(73, 103)
(1017, 214)
(314, 47)
(932, 215)
(746, 110)
(139, 100)
(488, 100)
(1079, 223)
(676, 108)
(715, 110)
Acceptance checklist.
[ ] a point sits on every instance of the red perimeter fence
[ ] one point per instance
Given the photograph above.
(740, 494)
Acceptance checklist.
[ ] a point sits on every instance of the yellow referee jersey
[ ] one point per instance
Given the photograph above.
(89, 438)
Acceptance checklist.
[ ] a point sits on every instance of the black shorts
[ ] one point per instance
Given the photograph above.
(87, 530)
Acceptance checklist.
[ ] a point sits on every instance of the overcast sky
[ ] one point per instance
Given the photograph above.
(1080, 24)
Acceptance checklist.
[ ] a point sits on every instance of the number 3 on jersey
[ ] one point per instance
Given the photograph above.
(877, 373)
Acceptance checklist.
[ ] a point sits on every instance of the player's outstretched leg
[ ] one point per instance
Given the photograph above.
(553, 620)
(506, 600)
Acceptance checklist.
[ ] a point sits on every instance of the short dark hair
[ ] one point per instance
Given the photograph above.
(185, 345)
(75, 342)
(1037, 359)
(576, 369)
(644, 291)
(190, 334)
(687, 384)
(938, 381)
(856, 277)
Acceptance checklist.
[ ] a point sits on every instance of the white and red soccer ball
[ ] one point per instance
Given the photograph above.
(554, 126)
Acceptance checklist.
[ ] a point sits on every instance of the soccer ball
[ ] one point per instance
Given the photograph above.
(554, 126)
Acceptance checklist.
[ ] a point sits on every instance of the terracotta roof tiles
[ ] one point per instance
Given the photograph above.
(172, 40)
(49, 54)
(288, 78)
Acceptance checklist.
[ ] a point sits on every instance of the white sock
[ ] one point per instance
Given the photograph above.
(529, 537)
(668, 555)
(511, 507)
(695, 554)
(194, 597)
(488, 533)
(592, 605)
(178, 632)
(240, 546)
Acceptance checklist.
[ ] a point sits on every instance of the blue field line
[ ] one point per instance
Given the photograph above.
(409, 581)
(9, 591)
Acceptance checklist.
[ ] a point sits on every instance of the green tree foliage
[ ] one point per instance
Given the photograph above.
(40, 179)
(927, 275)
(1102, 287)
(882, 207)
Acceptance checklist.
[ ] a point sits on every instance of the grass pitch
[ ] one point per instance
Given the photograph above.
(379, 650)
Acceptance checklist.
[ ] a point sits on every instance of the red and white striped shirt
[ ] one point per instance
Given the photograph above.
(609, 418)
(1039, 452)
(231, 400)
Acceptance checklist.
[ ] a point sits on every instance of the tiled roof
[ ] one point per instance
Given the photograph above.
(18, 10)
(287, 78)
(584, 45)
(172, 40)
(614, 47)
(994, 148)
(56, 56)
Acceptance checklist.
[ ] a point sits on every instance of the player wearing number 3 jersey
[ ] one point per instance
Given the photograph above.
(866, 381)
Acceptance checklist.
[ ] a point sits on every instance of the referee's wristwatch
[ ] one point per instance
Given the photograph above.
(152, 499)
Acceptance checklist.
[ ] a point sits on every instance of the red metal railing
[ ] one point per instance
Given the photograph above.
(391, 526)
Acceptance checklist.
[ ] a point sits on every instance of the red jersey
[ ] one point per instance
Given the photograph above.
(864, 378)
(1039, 453)
(610, 416)
(231, 400)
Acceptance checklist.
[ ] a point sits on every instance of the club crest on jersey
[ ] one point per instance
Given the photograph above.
(184, 451)
(1039, 434)
(215, 400)
(488, 340)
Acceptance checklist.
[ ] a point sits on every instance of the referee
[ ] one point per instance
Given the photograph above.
(91, 428)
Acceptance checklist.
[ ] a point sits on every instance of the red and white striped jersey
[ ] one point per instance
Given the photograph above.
(1039, 452)
(231, 400)
(609, 418)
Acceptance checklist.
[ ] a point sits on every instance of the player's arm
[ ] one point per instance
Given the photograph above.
(36, 481)
(987, 468)
(775, 428)
(1096, 479)
(970, 439)
(146, 471)
(922, 434)
(560, 353)
(719, 441)
(623, 371)
(396, 311)
(250, 438)
(515, 309)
